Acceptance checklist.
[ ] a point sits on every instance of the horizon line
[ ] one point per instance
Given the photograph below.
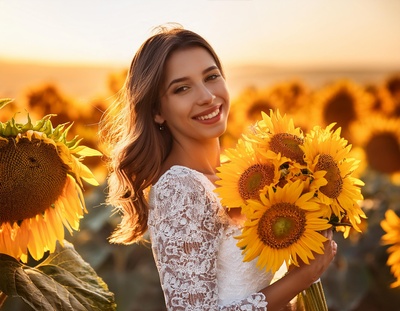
(244, 64)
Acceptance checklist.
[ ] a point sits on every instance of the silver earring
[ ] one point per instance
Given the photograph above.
(161, 127)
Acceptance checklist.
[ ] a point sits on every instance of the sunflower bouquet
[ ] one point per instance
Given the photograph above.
(290, 186)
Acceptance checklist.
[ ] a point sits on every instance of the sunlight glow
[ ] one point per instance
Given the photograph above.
(279, 33)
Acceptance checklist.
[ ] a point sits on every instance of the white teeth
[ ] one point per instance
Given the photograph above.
(209, 116)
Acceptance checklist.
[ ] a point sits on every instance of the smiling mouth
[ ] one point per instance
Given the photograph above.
(209, 116)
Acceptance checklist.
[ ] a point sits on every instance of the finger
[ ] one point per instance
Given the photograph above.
(334, 247)
(328, 233)
(324, 233)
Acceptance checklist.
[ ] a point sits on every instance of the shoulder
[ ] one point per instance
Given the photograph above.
(181, 175)
(182, 188)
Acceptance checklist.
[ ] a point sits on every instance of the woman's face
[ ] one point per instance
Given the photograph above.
(194, 96)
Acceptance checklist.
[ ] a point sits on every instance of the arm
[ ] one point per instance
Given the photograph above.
(185, 234)
(184, 240)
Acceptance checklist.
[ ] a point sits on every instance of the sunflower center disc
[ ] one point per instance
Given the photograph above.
(388, 161)
(288, 145)
(341, 108)
(281, 225)
(254, 179)
(335, 183)
(32, 177)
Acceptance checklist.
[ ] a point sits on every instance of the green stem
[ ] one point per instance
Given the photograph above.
(314, 298)
(3, 298)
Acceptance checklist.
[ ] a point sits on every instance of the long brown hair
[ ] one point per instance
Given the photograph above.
(133, 142)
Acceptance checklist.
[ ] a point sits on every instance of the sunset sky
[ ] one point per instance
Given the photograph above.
(302, 33)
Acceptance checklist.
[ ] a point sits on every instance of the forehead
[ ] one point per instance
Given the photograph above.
(183, 62)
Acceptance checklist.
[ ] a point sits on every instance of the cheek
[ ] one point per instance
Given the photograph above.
(166, 105)
(173, 111)
(227, 100)
(224, 90)
(228, 108)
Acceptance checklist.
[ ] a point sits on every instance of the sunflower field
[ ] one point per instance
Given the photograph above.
(365, 274)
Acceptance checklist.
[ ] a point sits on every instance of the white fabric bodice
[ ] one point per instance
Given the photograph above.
(193, 244)
(235, 277)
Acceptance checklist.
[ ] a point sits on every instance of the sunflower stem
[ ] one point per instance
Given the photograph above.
(3, 298)
(337, 224)
(313, 298)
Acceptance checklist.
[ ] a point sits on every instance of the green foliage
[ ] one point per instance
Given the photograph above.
(5, 101)
(129, 271)
(64, 281)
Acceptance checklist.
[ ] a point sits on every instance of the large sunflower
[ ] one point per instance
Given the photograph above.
(244, 174)
(282, 227)
(277, 138)
(391, 225)
(41, 186)
(325, 151)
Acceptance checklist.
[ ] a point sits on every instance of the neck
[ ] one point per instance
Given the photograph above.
(200, 156)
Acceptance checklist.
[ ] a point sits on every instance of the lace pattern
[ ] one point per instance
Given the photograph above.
(187, 225)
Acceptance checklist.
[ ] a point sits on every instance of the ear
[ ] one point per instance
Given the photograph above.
(159, 119)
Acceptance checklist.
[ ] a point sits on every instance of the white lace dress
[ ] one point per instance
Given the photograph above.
(199, 264)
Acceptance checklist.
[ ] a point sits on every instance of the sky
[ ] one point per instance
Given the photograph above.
(297, 33)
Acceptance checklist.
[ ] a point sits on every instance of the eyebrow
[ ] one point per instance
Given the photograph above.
(213, 67)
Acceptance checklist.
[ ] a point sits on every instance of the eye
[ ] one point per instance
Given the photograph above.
(181, 89)
(213, 77)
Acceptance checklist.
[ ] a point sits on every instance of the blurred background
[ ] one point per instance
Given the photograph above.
(318, 61)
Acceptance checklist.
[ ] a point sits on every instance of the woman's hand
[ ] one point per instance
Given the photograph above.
(299, 278)
(312, 272)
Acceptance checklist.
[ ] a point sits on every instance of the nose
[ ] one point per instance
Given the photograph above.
(205, 95)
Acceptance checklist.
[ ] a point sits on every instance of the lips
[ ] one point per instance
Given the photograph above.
(209, 114)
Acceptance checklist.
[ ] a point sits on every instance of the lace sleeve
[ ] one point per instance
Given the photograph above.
(184, 231)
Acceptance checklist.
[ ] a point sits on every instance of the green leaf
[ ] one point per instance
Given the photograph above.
(64, 281)
(5, 101)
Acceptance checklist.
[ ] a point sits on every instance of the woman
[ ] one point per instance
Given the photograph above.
(164, 134)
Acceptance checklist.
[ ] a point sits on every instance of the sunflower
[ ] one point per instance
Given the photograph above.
(379, 137)
(326, 151)
(245, 110)
(244, 174)
(292, 95)
(392, 84)
(41, 176)
(277, 138)
(391, 225)
(383, 103)
(342, 102)
(282, 227)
